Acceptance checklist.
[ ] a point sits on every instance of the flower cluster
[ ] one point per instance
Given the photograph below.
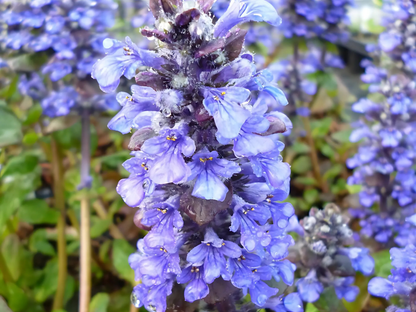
(322, 252)
(399, 38)
(401, 282)
(310, 18)
(383, 164)
(292, 73)
(207, 174)
(70, 33)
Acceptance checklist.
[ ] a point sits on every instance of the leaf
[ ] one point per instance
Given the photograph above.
(30, 138)
(36, 211)
(10, 90)
(22, 164)
(100, 302)
(328, 151)
(323, 102)
(38, 243)
(99, 226)
(342, 136)
(33, 115)
(121, 252)
(11, 249)
(311, 196)
(306, 181)
(320, 128)
(301, 164)
(17, 298)
(329, 302)
(354, 189)
(300, 148)
(49, 282)
(311, 308)
(10, 128)
(382, 262)
(333, 172)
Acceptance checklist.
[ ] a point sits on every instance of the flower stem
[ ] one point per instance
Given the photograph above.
(85, 254)
(314, 156)
(59, 199)
(85, 265)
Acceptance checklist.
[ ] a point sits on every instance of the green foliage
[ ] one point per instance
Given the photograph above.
(121, 252)
(383, 265)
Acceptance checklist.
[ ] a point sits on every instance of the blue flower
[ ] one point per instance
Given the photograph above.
(343, 288)
(211, 253)
(59, 103)
(291, 303)
(197, 288)
(242, 11)
(206, 168)
(57, 70)
(169, 165)
(122, 59)
(224, 104)
(152, 297)
(389, 41)
(361, 260)
(309, 287)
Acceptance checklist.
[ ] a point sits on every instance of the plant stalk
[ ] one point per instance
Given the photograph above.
(59, 199)
(7, 276)
(85, 235)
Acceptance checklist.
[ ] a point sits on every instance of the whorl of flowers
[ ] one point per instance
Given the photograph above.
(70, 33)
(207, 174)
(401, 282)
(383, 164)
(324, 252)
(398, 41)
(310, 18)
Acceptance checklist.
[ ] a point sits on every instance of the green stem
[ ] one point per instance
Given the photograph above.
(59, 197)
(7, 276)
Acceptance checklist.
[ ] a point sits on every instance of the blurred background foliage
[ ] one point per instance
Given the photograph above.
(28, 215)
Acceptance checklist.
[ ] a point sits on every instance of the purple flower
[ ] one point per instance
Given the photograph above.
(134, 188)
(207, 169)
(389, 41)
(291, 303)
(169, 165)
(211, 253)
(224, 104)
(122, 59)
(343, 289)
(309, 287)
(242, 11)
(197, 288)
(59, 103)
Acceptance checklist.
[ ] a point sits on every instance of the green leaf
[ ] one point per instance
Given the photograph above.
(11, 249)
(311, 308)
(382, 265)
(320, 128)
(333, 172)
(30, 138)
(11, 89)
(354, 189)
(311, 196)
(33, 115)
(301, 164)
(328, 151)
(22, 164)
(99, 226)
(36, 211)
(121, 252)
(17, 298)
(342, 136)
(329, 302)
(306, 181)
(61, 123)
(10, 128)
(300, 148)
(49, 282)
(38, 243)
(100, 302)
(69, 288)
(105, 250)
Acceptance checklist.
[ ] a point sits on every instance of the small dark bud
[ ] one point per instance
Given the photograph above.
(186, 17)
(156, 34)
(276, 126)
(139, 137)
(138, 217)
(234, 44)
(212, 46)
(152, 80)
(202, 114)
